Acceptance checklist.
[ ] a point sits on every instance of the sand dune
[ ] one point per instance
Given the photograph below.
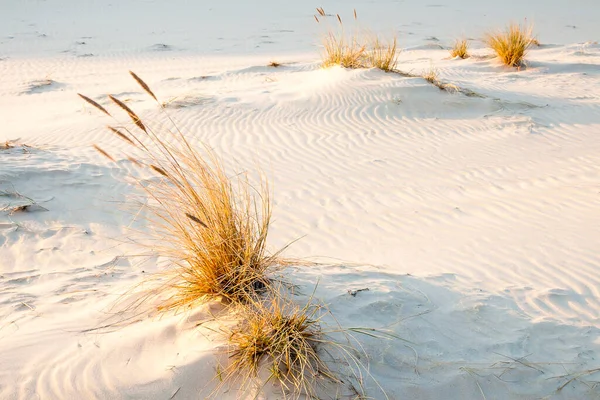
(473, 220)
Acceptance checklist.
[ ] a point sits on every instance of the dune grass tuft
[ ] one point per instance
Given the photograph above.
(460, 49)
(212, 227)
(355, 50)
(383, 55)
(282, 339)
(340, 48)
(511, 45)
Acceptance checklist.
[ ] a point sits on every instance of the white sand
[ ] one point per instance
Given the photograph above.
(473, 221)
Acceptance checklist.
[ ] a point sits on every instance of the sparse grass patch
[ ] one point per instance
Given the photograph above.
(511, 45)
(460, 49)
(274, 64)
(212, 228)
(431, 75)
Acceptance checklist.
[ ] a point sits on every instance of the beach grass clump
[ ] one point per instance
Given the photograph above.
(356, 49)
(282, 339)
(383, 55)
(340, 48)
(460, 49)
(511, 45)
(211, 227)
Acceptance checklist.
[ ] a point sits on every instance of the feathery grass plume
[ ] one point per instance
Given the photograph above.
(511, 45)
(213, 228)
(383, 55)
(284, 339)
(94, 104)
(121, 135)
(136, 120)
(135, 161)
(143, 85)
(104, 153)
(460, 49)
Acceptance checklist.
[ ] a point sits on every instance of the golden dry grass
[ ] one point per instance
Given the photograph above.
(511, 45)
(355, 50)
(460, 49)
(383, 55)
(212, 227)
(282, 339)
(431, 76)
(338, 49)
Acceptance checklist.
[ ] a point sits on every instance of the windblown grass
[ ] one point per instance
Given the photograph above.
(212, 228)
(511, 45)
(460, 49)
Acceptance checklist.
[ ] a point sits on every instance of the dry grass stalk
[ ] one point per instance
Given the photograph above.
(213, 228)
(511, 45)
(460, 49)
(136, 120)
(121, 135)
(104, 153)
(143, 85)
(94, 104)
